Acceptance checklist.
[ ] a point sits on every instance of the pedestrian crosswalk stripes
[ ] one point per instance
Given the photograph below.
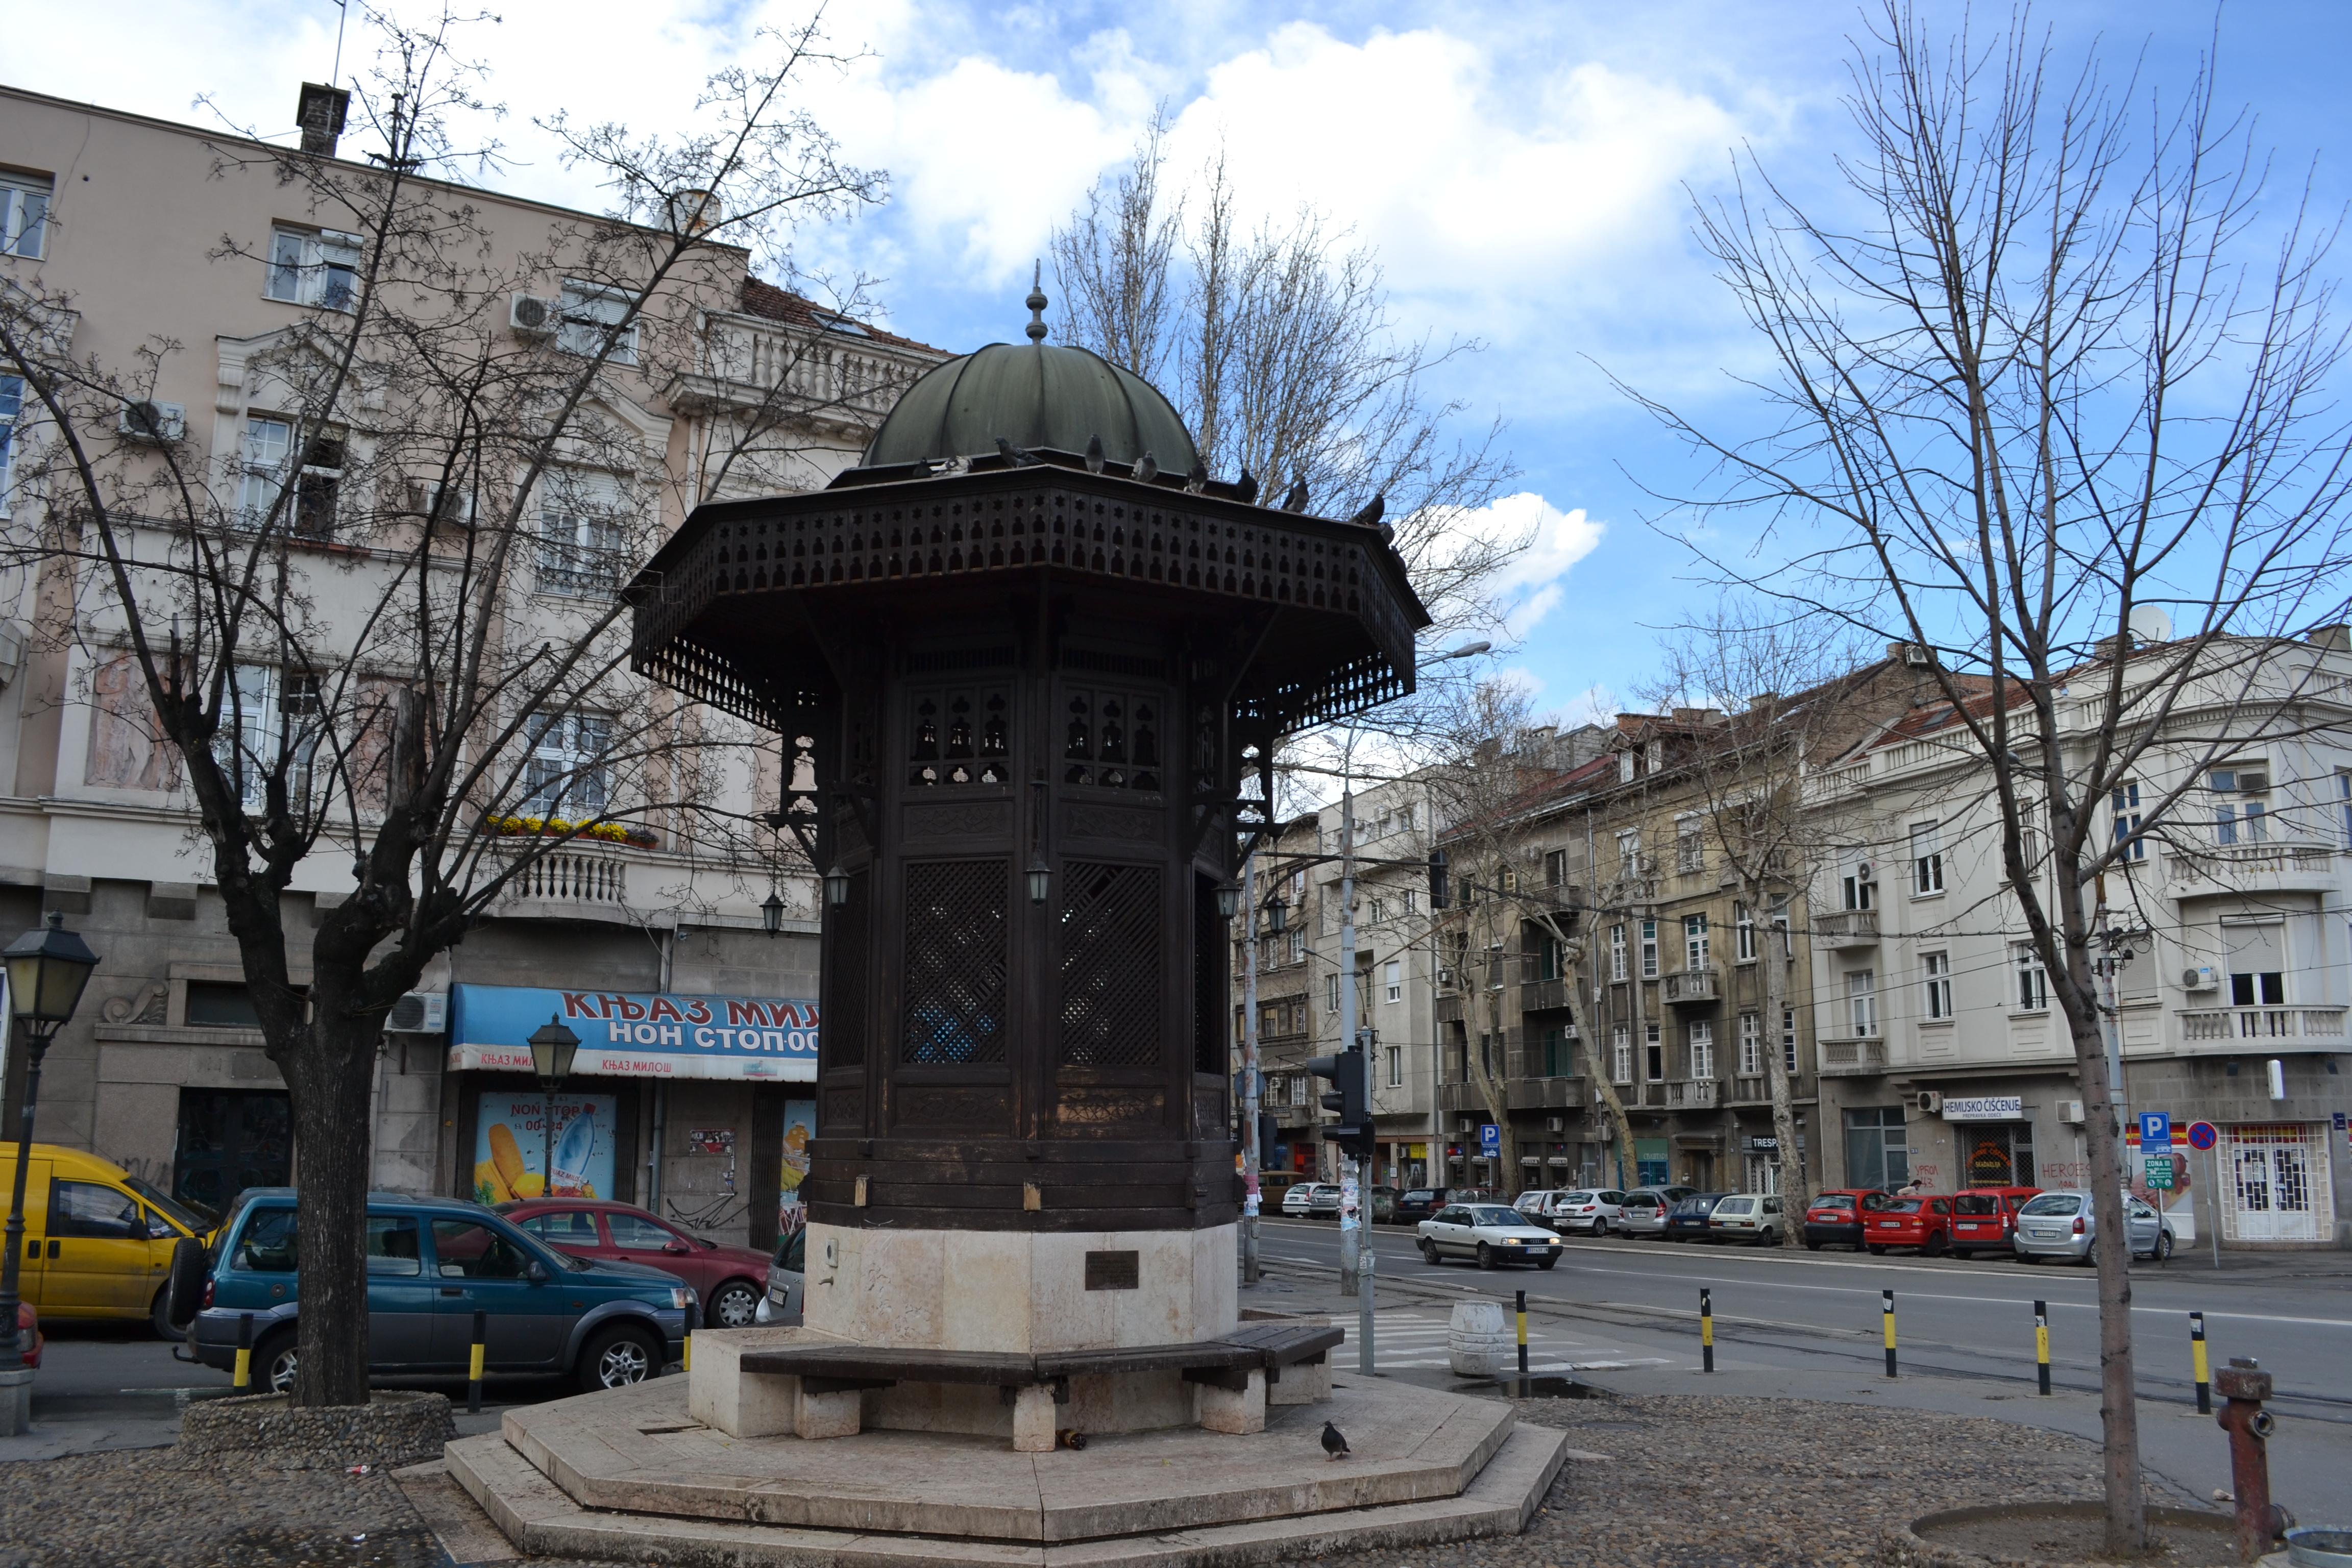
(1408, 1340)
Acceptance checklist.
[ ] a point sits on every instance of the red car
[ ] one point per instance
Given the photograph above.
(1924, 1222)
(1985, 1218)
(730, 1279)
(29, 1333)
(1840, 1215)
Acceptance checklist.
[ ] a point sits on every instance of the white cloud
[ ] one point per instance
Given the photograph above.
(1532, 583)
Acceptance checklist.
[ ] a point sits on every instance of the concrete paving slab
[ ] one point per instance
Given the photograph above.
(544, 1521)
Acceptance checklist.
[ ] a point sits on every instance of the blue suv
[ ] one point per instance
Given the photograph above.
(432, 1264)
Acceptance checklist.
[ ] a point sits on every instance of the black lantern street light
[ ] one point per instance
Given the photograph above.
(1276, 914)
(1228, 900)
(772, 913)
(1040, 878)
(552, 1049)
(48, 967)
(836, 886)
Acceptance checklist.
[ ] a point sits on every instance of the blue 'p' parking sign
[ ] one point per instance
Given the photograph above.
(1490, 1139)
(2155, 1129)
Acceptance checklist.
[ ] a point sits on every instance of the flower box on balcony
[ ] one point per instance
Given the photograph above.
(557, 828)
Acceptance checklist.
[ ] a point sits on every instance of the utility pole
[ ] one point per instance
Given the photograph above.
(1250, 1153)
(1351, 1235)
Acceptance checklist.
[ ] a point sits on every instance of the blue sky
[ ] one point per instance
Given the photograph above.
(1524, 171)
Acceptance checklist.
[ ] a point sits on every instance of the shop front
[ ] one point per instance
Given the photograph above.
(2276, 1182)
(1992, 1142)
(690, 1105)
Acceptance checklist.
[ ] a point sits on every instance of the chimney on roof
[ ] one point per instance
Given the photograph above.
(1761, 701)
(1699, 718)
(2116, 647)
(694, 213)
(320, 116)
(2337, 638)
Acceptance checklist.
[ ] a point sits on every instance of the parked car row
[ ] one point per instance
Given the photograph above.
(2024, 1223)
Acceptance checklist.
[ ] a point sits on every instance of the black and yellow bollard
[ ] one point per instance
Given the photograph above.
(474, 1363)
(1705, 1330)
(2198, 1362)
(693, 1313)
(1886, 1315)
(1523, 1344)
(243, 1379)
(2042, 1345)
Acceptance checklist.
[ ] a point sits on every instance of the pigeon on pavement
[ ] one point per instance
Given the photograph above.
(1333, 1444)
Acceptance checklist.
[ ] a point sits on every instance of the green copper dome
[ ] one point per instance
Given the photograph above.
(1033, 394)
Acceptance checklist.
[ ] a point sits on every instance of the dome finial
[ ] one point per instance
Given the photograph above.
(1036, 304)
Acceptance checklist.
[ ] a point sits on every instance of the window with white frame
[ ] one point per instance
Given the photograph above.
(1695, 942)
(2343, 800)
(1393, 981)
(1789, 1037)
(270, 710)
(1298, 946)
(12, 408)
(2123, 803)
(1330, 994)
(24, 213)
(1625, 767)
(1629, 851)
(1617, 952)
(2241, 803)
(1690, 845)
(566, 774)
(590, 312)
(1396, 1067)
(2032, 980)
(1926, 858)
(1702, 1049)
(1780, 917)
(313, 267)
(581, 513)
(1743, 933)
(1857, 880)
(1862, 1002)
(1751, 1045)
(1654, 1053)
(268, 448)
(1935, 969)
(1621, 1055)
(1649, 950)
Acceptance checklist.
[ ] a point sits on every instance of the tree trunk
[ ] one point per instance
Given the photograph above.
(1796, 1188)
(332, 1084)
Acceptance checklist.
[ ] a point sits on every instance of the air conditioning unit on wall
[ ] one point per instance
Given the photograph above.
(149, 421)
(2071, 1112)
(1555, 1124)
(534, 315)
(1930, 1102)
(2204, 977)
(419, 1012)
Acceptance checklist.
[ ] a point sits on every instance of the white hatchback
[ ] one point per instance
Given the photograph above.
(1593, 1209)
(1488, 1233)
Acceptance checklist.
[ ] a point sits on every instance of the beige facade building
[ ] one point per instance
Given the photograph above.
(186, 252)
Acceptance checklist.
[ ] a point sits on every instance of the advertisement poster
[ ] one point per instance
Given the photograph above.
(637, 1033)
(509, 1135)
(800, 1126)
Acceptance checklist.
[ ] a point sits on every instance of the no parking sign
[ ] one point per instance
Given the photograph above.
(2204, 1135)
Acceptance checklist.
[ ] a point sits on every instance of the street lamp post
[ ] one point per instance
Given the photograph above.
(48, 967)
(552, 1049)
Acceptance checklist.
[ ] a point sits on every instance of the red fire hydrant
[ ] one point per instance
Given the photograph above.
(2248, 1425)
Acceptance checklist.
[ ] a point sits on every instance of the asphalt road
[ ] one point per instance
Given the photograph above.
(2292, 1312)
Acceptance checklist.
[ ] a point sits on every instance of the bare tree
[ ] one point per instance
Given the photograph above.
(2049, 362)
(1283, 356)
(387, 629)
(1790, 701)
(1496, 778)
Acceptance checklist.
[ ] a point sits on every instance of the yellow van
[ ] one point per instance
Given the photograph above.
(98, 1241)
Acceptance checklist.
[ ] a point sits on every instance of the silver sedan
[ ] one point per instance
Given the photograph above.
(2060, 1225)
(1489, 1233)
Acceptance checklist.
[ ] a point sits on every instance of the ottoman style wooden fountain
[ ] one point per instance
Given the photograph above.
(1020, 662)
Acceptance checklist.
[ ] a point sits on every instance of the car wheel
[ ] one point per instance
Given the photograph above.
(734, 1306)
(1963, 1253)
(1877, 1250)
(1811, 1245)
(1486, 1255)
(1935, 1246)
(1429, 1252)
(1546, 1263)
(1600, 1228)
(276, 1362)
(2164, 1246)
(617, 1357)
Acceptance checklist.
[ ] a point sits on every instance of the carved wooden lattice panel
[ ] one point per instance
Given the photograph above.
(1210, 1050)
(841, 1024)
(1110, 965)
(955, 966)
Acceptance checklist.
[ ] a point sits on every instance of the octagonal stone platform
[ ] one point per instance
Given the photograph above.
(630, 1474)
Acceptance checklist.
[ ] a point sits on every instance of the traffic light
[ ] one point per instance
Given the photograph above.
(1269, 1134)
(1350, 1095)
(1437, 879)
